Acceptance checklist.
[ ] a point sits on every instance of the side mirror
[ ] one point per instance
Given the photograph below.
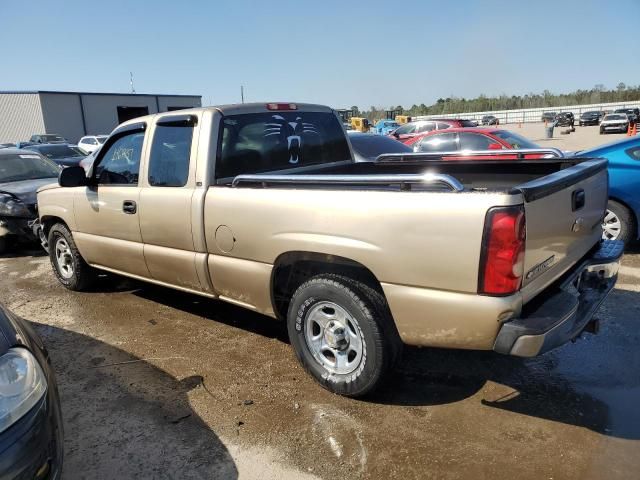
(72, 177)
(495, 146)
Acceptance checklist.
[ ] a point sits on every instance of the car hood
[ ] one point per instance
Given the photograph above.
(26, 189)
(613, 121)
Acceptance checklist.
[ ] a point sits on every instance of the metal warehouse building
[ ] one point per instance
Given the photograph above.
(75, 114)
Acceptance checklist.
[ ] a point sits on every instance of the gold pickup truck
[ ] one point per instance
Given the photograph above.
(263, 206)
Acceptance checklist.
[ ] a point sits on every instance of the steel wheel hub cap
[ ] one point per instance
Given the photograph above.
(611, 226)
(64, 258)
(334, 338)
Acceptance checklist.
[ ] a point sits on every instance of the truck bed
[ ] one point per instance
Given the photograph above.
(495, 176)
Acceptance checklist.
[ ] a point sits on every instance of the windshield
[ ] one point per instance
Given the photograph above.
(590, 113)
(101, 140)
(58, 151)
(26, 166)
(615, 117)
(370, 146)
(262, 142)
(515, 140)
(392, 124)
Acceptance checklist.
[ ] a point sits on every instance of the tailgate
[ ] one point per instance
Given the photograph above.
(564, 214)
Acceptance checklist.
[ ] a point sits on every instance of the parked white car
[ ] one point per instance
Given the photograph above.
(614, 122)
(91, 143)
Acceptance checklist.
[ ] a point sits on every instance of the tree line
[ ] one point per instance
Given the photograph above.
(450, 105)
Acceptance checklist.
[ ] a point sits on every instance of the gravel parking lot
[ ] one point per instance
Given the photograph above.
(160, 384)
(582, 139)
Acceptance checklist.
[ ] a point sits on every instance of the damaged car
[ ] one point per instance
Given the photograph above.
(21, 174)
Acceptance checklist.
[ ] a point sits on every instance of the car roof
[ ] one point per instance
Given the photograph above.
(444, 119)
(485, 130)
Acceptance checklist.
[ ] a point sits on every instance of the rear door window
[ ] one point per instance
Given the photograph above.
(262, 142)
(474, 141)
(445, 142)
(406, 129)
(170, 154)
(426, 127)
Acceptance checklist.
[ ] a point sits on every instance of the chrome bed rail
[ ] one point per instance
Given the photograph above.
(405, 180)
(549, 154)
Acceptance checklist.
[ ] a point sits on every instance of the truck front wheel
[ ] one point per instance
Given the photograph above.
(343, 334)
(68, 265)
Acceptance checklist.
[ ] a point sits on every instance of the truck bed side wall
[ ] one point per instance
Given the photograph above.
(247, 229)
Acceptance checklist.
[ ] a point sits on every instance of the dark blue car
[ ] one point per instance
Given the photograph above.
(623, 211)
(30, 419)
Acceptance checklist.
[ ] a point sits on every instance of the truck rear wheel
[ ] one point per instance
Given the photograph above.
(343, 334)
(68, 265)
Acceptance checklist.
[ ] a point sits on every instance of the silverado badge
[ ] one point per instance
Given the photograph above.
(541, 267)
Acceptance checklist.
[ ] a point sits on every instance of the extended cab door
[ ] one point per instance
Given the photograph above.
(166, 220)
(107, 216)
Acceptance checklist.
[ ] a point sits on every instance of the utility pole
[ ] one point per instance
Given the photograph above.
(242, 93)
(133, 90)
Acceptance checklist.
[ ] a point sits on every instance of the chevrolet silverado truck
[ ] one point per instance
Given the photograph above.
(263, 206)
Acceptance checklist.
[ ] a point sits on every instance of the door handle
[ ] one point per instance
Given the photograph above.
(577, 199)
(129, 206)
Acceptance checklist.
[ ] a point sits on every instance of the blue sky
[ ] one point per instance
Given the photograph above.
(339, 53)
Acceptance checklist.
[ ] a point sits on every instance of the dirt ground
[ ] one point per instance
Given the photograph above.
(583, 138)
(160, 384)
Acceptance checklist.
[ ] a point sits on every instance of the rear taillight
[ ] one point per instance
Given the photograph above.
(502, 258)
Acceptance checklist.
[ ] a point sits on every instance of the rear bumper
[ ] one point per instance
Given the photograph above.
(563, 311)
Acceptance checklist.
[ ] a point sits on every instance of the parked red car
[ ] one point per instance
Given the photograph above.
(406, 133)
(454, 139)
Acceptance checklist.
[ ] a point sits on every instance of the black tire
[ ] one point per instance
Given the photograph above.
(381, 344)
(601, 131)
(4, 245)
(627, 222)
(82, 275)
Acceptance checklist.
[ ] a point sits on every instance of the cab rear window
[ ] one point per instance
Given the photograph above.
(262, 142)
